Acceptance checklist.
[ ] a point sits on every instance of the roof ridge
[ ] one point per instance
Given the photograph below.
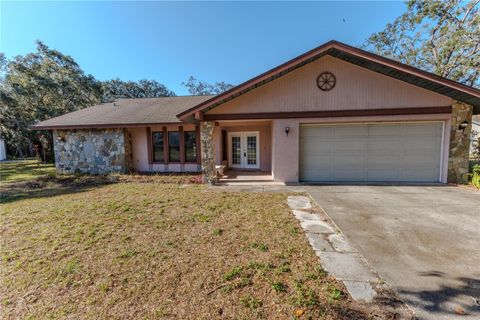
(329, 48)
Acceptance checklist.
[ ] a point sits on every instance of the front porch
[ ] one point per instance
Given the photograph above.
(238, 177)
(242, 148)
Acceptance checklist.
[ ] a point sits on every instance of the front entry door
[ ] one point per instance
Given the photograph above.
(244, 150)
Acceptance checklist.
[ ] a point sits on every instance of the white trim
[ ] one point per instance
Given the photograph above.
(440, 178)
(229, 153)
(243, 146)
(446, 150)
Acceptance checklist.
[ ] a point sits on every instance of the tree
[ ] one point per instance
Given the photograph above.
(442, 37)
(3, 65)
(202, 88)
(38, 86)
(46, 84)
(116, 88)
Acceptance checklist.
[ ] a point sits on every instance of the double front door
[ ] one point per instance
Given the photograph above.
(244, 150)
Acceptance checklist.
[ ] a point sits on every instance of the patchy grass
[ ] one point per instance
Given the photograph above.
(135, 248)
(24, 170)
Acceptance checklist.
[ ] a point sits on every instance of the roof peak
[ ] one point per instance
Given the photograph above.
(363, 58)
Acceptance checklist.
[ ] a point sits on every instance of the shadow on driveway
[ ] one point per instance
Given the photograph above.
(448, 299)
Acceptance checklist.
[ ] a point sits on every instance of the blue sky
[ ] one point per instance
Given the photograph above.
(169, 41)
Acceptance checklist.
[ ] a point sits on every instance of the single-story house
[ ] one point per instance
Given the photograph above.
(335, 113)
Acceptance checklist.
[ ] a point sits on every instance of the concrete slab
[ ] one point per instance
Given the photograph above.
(318, 242)
(422, 240)
(340, 244)
(360, 290)
(316, 226)
(340, 262)
(299, 202)
(305, 216)
(346, 266)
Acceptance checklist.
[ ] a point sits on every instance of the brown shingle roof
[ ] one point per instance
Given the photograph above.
(125, 113)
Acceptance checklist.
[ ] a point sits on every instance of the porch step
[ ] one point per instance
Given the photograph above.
(233, 177)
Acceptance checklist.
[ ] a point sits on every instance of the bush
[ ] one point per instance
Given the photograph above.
(476, 176)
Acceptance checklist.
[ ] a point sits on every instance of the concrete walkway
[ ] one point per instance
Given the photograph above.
(337, 256)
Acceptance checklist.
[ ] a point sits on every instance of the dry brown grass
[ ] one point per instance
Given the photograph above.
(150, 250)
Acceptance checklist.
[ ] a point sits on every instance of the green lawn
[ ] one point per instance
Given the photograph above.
(153, 247)
(23, 170)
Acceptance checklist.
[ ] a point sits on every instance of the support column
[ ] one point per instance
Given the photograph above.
(459, 142)
(208, 159)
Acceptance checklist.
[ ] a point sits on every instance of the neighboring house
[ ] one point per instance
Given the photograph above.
(335, 113)
(3, 150)
(475, 132)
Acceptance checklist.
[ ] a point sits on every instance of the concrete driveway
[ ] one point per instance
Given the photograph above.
(424, 241)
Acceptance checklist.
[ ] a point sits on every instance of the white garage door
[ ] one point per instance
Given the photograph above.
(408, 152)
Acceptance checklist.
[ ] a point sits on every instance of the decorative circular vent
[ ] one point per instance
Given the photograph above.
(326, 81)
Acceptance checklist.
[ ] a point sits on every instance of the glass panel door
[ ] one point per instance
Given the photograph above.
(244, 150)
(236, 150)
(251, 147)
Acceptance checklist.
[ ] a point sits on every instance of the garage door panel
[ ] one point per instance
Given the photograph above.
(348, 175)
(422, 130)
(382, 146)
(318, 175)
(371, 152)
(348, 160)
(383, 160)
(351, 145)
(317, 162)
(385, 131)
(322, 133)
(352, 131)
(316, 146)
(383, 175)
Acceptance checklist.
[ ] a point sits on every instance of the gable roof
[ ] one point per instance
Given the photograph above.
(358, 57)
(125, 113)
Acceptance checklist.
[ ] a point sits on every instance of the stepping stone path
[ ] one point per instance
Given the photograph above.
(337, 256)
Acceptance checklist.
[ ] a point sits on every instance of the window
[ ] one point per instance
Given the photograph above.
(190, 146)
(157, 143)
(174, 146)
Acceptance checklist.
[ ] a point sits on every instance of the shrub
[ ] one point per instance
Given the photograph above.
(476, 176)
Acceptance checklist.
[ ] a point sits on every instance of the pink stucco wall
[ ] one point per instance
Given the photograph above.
(140, 152)
(356, 89)
(285, 149)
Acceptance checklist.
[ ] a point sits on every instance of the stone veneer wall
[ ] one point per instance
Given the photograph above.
(207, 152)
(94, 151)
(459, 142)
(128, 151)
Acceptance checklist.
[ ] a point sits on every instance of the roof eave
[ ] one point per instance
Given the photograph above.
(462, 92)
(102, 126)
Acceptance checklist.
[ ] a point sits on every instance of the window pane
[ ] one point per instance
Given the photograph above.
(190, 147)
(157, 142)
(236, 150)
(174, 146)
